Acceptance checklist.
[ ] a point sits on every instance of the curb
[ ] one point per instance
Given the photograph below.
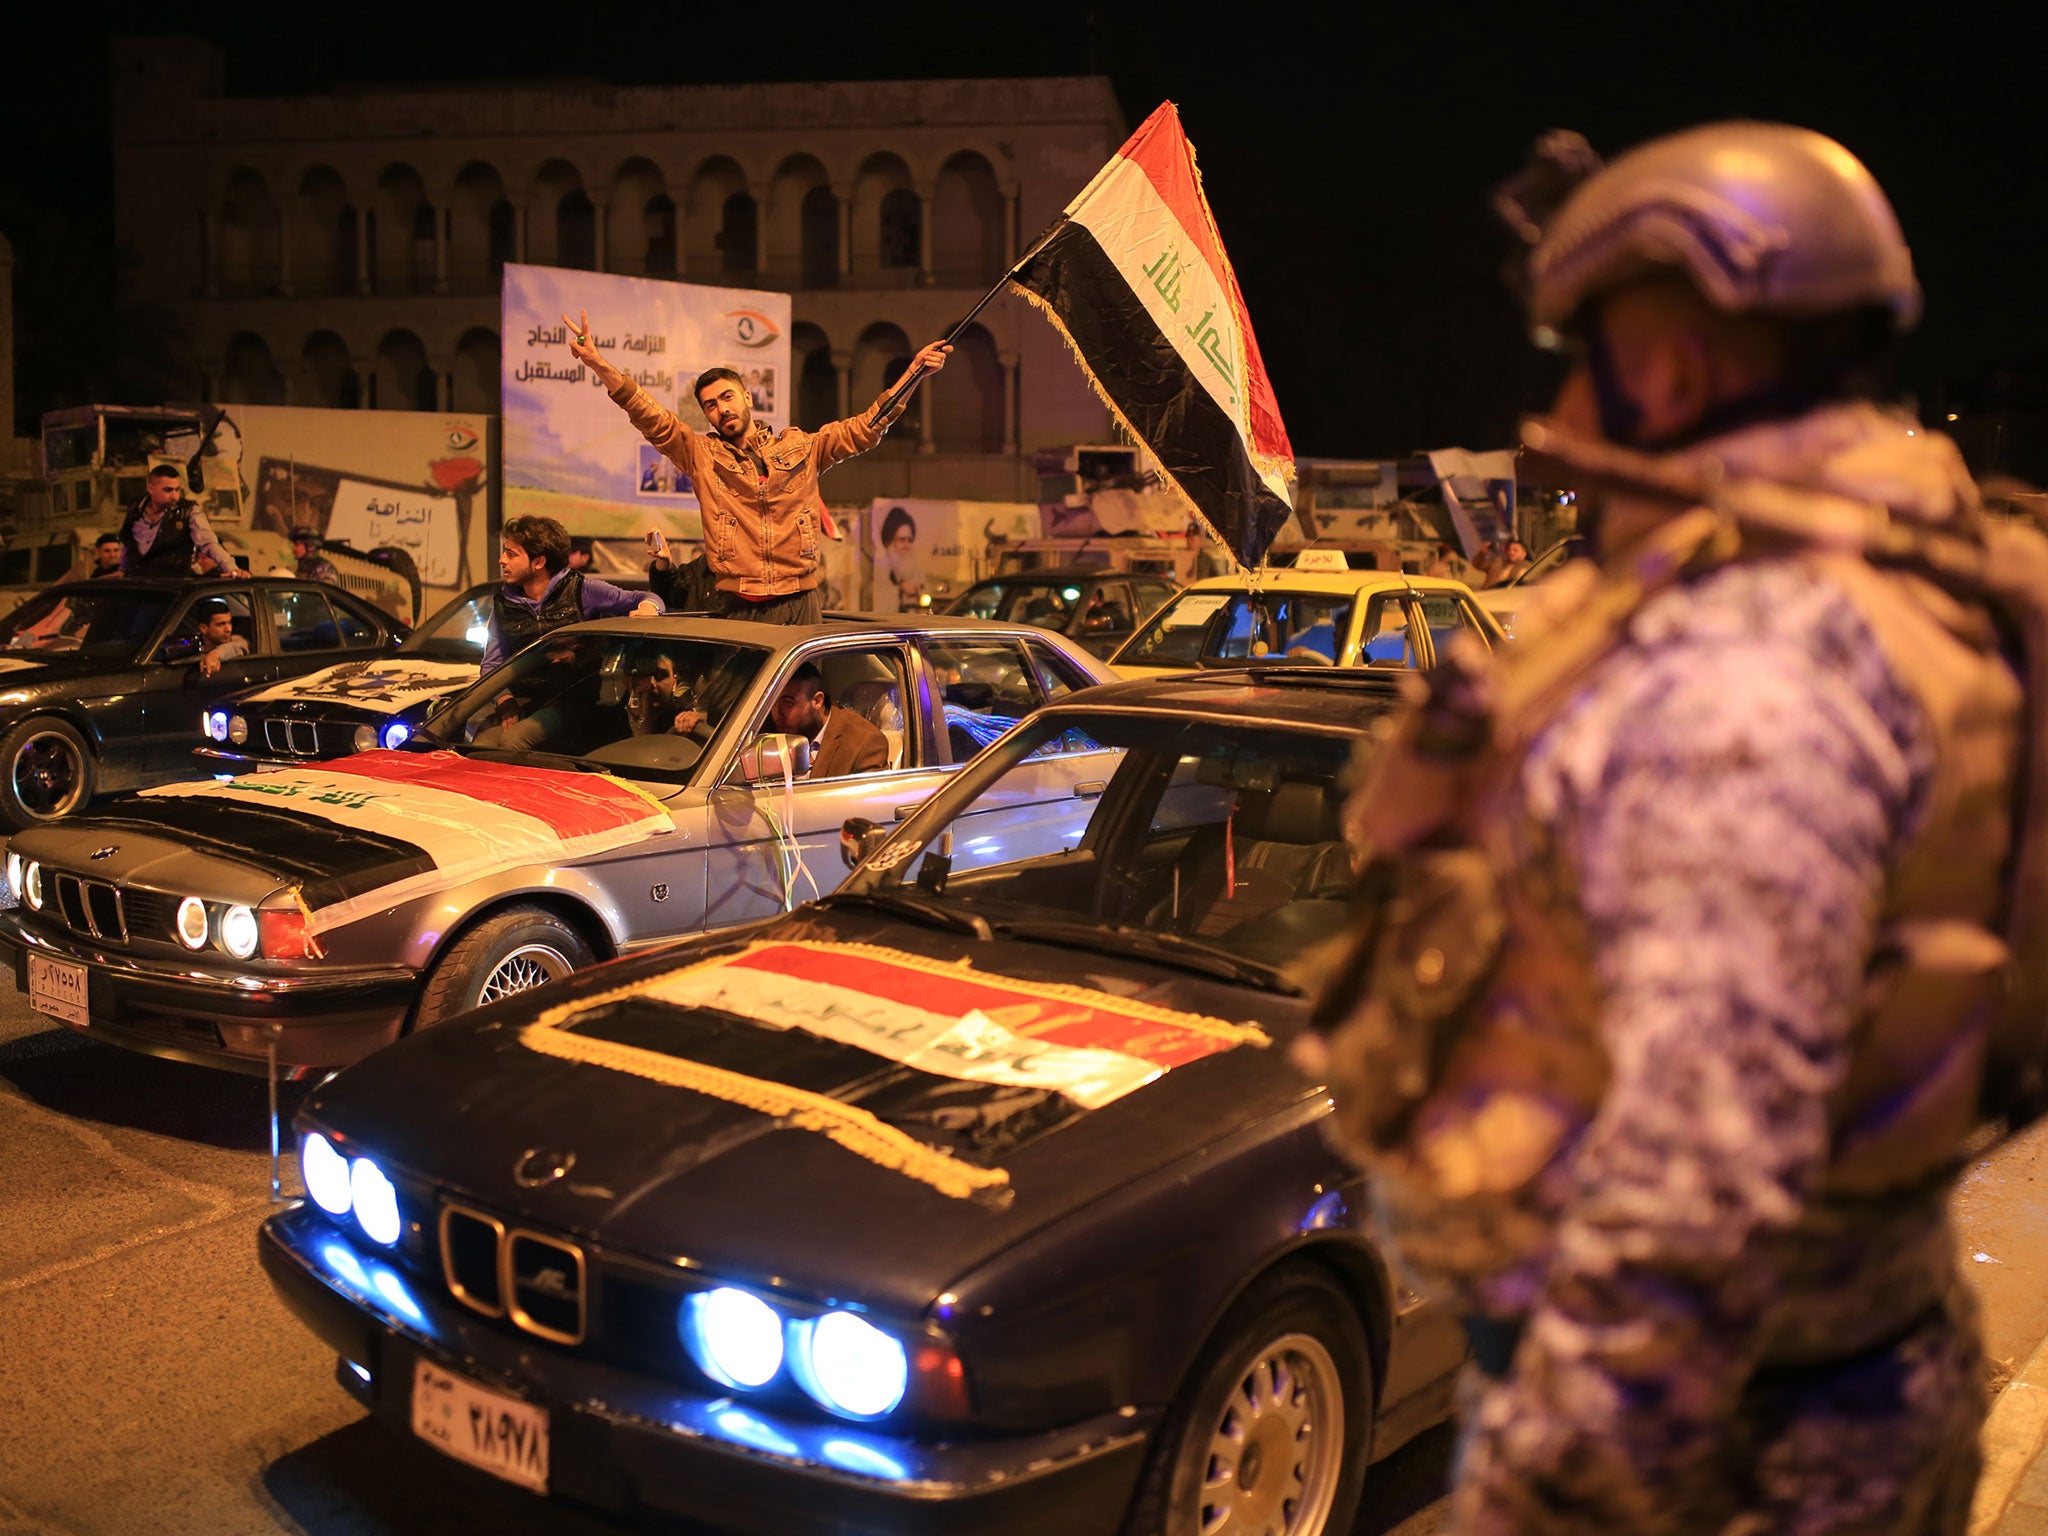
(2011, 1440)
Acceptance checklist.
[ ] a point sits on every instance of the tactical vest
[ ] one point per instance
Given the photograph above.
(170, 552)
(1471, 1057)
(518, 627)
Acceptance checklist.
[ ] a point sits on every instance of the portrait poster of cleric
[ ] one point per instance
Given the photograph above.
(568, 451)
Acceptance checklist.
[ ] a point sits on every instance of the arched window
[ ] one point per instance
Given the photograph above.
(576, 231)
(902, 228)
(501, 236)
(820, 238)
(660, 214)
(736, 233)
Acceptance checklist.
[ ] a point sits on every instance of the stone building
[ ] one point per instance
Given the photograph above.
(344, 249)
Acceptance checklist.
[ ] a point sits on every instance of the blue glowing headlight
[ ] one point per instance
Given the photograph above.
(375, 1200)
(396, 734)
(849, 1365)
(734, 1336)
(326, 1172)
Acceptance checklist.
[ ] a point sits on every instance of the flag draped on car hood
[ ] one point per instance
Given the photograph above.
(440, 818)
(1136, 279)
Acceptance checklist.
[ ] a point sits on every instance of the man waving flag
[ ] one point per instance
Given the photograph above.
(1136, 279)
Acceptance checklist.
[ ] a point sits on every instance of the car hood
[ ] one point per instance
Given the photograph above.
(385, 685)
(696, 1123)
(360, 833)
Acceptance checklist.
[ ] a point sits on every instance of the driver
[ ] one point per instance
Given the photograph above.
(656, 706)
(217, 637)
(842, 742)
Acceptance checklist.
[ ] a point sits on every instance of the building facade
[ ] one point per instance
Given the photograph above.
(345, 249)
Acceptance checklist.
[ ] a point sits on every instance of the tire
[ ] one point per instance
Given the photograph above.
(1285, 1387)
(47, 772)
(508, 952)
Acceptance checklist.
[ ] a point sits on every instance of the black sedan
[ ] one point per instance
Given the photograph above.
(979, 1196)
(354, 705)
(1098, 610)
(101, 687)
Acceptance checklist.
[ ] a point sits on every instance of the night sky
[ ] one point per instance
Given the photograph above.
(1348, 157)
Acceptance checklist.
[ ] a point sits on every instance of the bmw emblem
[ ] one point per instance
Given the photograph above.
(659, 892)
(107, 852)
(541, 1165)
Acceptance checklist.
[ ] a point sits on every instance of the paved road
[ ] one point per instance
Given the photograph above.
(150, 1384)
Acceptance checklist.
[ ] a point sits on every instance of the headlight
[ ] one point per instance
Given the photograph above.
(32, 885)
(239, 933)
(207, 728)
(238, 729)
(734, 1336)
(851, 1366)
(327, 1175)
(366, 737)
(375, 1200)
(14, 873)
(192, 923)
(397, 734)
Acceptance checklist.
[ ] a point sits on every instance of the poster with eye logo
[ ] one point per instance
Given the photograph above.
(569, 451)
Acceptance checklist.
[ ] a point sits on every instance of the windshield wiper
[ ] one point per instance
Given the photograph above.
(919, 909)
(1190, 954)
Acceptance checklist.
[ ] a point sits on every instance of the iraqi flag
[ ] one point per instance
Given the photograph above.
(1136, 279)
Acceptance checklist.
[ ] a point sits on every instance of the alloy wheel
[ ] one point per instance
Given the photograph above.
(1276, 1449)
(527, 967)
(49, 775)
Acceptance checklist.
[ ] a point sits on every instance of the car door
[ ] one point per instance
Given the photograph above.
(774, 843)
(179, 692)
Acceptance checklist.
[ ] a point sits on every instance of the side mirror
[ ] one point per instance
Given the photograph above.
(772, 755)
(179, 648)
(859, 837)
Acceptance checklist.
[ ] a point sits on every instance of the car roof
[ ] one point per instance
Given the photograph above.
(1062, 574)
(1286, 578)
(1335, 699)
(774, 636)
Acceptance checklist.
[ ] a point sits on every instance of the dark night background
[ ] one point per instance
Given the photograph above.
(1347, 154)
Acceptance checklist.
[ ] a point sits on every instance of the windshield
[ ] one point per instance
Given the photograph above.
(458, 632)
(643, 705)
(1196, 834)
(90, 619)
(1199, 629)
(1020, 602)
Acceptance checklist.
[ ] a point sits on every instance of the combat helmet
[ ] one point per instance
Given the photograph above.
(1763, 218)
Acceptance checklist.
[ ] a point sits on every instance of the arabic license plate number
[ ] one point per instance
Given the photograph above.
(57, 989)
(502, 1435)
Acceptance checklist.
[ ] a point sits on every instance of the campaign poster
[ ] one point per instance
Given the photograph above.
(922, 547)
(570, 453)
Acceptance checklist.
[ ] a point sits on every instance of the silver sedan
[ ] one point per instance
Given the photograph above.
(613, 786)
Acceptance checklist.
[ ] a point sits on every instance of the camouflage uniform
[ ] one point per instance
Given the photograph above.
(1624, 1163)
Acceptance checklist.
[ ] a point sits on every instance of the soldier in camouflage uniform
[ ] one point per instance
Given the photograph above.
(1666, 1039)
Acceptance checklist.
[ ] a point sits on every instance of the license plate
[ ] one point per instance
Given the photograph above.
(502, 1435)
(57, 988)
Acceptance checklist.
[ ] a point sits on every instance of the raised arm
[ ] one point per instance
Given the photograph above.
(839, 440)
(655, 422)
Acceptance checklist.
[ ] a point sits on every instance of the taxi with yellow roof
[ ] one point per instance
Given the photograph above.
(1317, 612)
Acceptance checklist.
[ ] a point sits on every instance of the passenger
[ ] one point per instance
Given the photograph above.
(540, 593)
(217, 636)
(106, 556)
(842, 742)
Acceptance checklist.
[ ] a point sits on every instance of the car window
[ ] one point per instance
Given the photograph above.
(1200, 628)
(187, 624)
(458, 632)
(357, 632)
(1108, 608)
(1446, 614)
(864, 686)
(1384, 640)
(985, 687)
(303, 619)
(1149, 595)
(88, 617)
(646, 705)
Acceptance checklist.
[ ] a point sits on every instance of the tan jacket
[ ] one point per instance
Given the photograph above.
(761, 503)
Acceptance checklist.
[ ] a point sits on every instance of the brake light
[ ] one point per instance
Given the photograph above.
(287, 936)
(938, 1382)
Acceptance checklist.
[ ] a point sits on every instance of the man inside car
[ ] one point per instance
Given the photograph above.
(841, 741)
(217, 638)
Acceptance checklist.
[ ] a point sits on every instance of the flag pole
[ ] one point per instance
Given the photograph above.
(910, 378)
